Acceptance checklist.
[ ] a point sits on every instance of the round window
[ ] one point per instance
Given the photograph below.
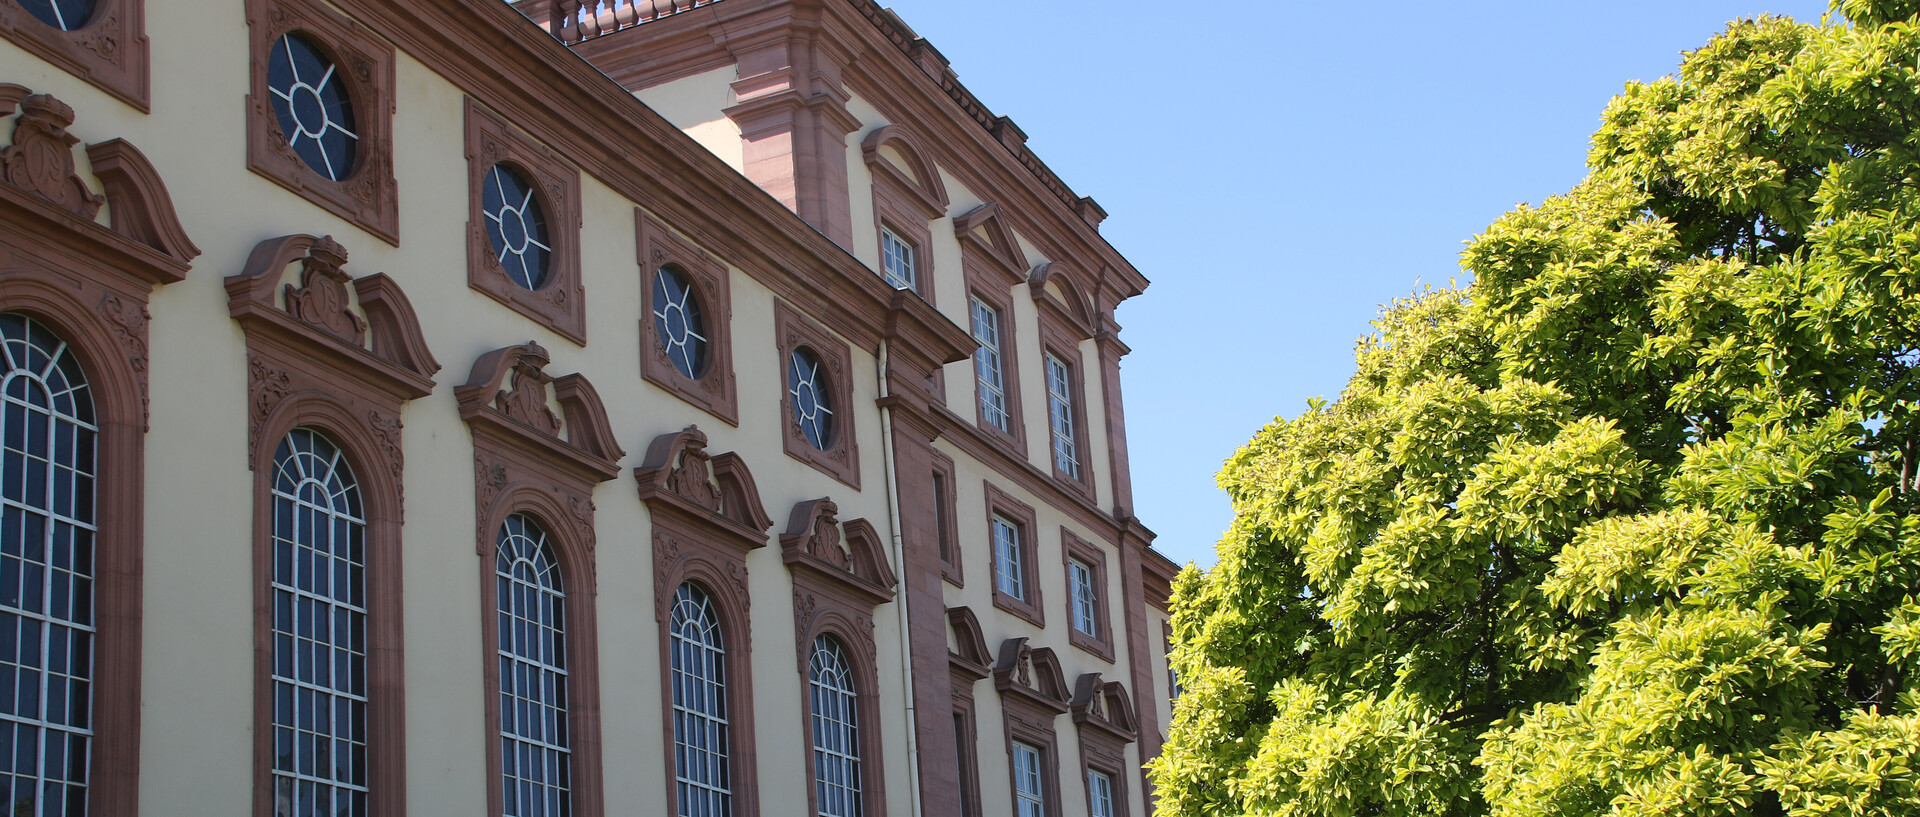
(677, 322)
(310, 101)
(807, 388)
(66, 15)
(516, 226)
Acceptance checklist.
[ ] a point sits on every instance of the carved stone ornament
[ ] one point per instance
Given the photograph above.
(1104, 706)
(267, 385)
(853, 564)
(716, 494)
(129, 319)
(1031, 675)
(509, 395)
(108, 50)
(322, 299)
(41, 157)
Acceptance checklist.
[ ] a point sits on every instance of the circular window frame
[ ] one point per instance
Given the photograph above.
(94, 16)
(822, 386)
(541, 203)
(694, 320)
(357, 163)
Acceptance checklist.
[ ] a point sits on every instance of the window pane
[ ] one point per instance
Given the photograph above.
(986, 365)
(46, 576)
(678, 323)
(535, 749)
(896, 260)
(1029, 797)
(1099, 794)
(1066, 454)
(836, 747)
(807, 391)
(311, 105)
(698, 663)
(1009, 573)
(320, 621)
(1085, 608)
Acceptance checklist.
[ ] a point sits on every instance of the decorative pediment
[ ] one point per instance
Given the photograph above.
(983, 232)
(1030, 674)
(328, 314)
(1054, 291)
(509, 392)
(41, 188)
(968, 656)
(679, 478)
(891, 156)
(1104, 706)
(855, 561)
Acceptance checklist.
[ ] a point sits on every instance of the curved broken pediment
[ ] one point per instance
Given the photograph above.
(1032, 674)
(326, 311)
(1105, 706)
(891, 155)
(854, 561)
(716, 492)
(509, 392)
(969, 654)
(1053, 288)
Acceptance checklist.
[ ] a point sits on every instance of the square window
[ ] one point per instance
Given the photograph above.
(523, 225)
(103, 42)
(816, 396)
(686, 320)
(321, 132)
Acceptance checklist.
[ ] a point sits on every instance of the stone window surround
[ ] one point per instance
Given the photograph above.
(560, 302)
(90, 284)
(947, 501)
(1032, 693)
(1073, 548)
(313, 362)
(706, 518)
(1104, 719)
(1058, 339)
(968, 662)
(522, 466)
(1002, 504)
(903, 204)
(714, 391)
(838, 600)
(369, 197)
(841, 460)
(110, 52)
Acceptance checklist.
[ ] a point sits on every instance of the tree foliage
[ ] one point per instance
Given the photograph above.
(1629, 525)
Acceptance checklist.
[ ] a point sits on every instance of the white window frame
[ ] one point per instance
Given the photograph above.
(1009, 570)
(836, 730)
(1066, 446)
(989, 369)
(1086, 598)
(1099, 794)
(527, 563)
(897, 261)
(1029, 780)
(700, 724)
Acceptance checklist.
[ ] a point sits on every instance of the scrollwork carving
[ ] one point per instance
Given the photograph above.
(267, 385)
(129, 320)
(41, 157)
(321, 299)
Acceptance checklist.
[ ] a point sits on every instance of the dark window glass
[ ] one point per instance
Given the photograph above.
(678, 324)
(702, 768)
(807, 387)
(536, 751)
(66, 15)
(319, 629)
(516, 226)
(46, 571)
(311, 104)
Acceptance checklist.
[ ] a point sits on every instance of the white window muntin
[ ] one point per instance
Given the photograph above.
(702, 776)
(986, 365)
(535, 746)
(1066, 455)
(1029, 797)
(1009, 571)
(1099, 794)
(836, 737)
(46, 554)
(1086, 612)
(896, 260)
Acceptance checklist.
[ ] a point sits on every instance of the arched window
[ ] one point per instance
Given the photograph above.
(535, 754)
(836, 735)
(46, 572)
(319, 630)
(699, 706)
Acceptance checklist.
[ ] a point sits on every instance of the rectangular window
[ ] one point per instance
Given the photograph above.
(987, 367)
(896, 260)
(1086, 615)
(1007, 569)
(963, 755)
(1028, 799)
(1099, 794)
(1066, 455)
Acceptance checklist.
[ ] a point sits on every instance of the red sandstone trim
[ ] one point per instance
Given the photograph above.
(714, 391)
(108, 52)
(841, 459)
(560, 302)
(1074, 548)
(1003, 504)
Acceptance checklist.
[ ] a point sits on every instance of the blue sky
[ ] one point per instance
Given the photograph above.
(1279, 170)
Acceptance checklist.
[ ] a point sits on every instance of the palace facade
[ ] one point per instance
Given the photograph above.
(468, 407)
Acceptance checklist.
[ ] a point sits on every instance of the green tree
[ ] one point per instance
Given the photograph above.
(1629, 525)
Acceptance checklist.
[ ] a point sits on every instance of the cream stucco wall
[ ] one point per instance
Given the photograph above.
(694, 104)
